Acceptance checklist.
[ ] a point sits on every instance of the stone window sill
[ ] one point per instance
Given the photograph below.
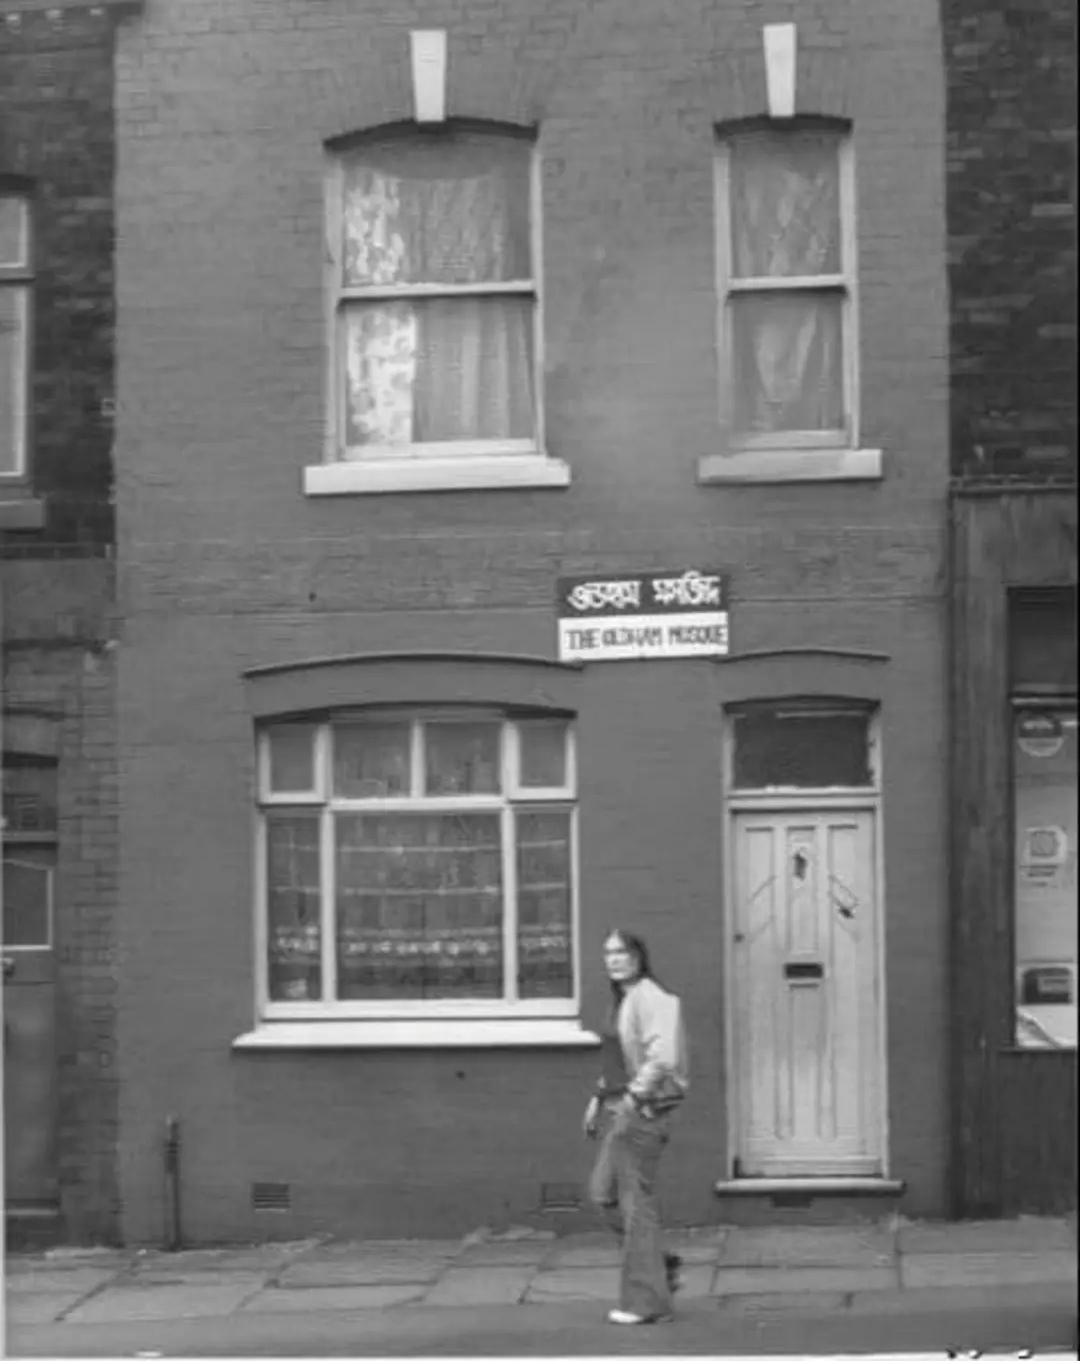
(791, 466)
(440, 474)
(21, 513)
(414, 1034)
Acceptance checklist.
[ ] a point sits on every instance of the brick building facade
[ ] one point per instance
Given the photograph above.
(338, 581)
(58, 626)
(1011, 203)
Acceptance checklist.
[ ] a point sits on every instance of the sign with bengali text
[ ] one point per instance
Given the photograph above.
(681, 613)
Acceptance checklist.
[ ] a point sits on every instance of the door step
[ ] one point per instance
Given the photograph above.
(822, 1202)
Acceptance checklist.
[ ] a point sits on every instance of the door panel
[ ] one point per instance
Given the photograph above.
(805, 1015)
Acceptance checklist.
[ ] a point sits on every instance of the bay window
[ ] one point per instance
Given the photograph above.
(418, 865)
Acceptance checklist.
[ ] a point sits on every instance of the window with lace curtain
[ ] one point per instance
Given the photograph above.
(418, 864)
(786, 255)
(16, 282)
(434, 296)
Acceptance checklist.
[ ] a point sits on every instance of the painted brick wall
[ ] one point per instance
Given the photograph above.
(223, 109)
(56, 129)
(1012, 236)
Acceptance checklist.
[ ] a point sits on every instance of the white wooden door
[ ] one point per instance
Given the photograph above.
(805, 1016)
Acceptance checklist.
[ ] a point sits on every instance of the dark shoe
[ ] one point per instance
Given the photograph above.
(672, 1266)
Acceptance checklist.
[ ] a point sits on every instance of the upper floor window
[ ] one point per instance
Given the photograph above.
(434, 296)
(418, 864)
(16, 281)
(786, 257)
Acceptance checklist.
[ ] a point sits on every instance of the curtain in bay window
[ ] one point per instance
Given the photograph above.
(437, 369)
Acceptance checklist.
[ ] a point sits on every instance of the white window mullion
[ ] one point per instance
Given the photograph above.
(417, 760)
(849, 263)
(262, 913)
(327, 905)
(536, 265)
(333, 276)
(508, 830)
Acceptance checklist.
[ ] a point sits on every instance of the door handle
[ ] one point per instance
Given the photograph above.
(9, 967)
(804, 970)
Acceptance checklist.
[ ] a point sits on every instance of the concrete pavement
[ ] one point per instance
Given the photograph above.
(748, 1279)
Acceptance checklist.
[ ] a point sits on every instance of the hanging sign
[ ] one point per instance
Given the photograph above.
(677, 614)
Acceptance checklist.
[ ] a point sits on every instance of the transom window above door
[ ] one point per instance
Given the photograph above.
(418, 865)
(803, 745)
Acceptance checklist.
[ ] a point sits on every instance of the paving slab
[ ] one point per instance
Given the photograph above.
(267, 1258)
(519, 1252)
(755, 1304)
(37, 1309)
(563, 1285)
(344, 1299)
(479, 1286)
(128, 1302)
(1023, 1233)
(803, 1279)
(975, 1268)
(809, 1246)
(592, 1255)
(45, 1278)
(370, 1262)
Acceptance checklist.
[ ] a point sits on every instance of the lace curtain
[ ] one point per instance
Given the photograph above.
(449, 368)
(785, 222)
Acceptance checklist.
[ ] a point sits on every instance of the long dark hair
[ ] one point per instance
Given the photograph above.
(638, 948)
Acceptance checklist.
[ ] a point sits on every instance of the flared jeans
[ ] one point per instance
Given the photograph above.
(623, 1186)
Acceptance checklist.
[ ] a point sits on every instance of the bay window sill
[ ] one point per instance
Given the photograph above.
(416, 1033)
(436, 474)
(791, 466)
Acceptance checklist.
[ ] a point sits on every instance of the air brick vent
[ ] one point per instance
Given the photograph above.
(559, 1197)
(271, 1197)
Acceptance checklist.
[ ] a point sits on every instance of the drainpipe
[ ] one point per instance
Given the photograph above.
(171, 1158)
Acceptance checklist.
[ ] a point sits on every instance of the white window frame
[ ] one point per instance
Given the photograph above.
(18, 277)
(428, 464)
(789, 456)
(513, 799)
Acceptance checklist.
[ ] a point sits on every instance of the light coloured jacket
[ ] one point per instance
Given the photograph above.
(653, 1043)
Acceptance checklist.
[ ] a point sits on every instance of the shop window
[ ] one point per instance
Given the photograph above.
(791, 746)
(1042, 674)
(418, 864)
(1044, 812)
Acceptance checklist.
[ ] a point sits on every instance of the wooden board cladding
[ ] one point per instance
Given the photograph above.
(1038, 1132)
(997, 543)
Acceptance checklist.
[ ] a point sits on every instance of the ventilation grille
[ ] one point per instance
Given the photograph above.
(271, 1197)
(560, 1197)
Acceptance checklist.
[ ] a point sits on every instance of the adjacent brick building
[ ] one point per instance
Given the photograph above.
(1011, 159)
(418, 316)
(57, 638)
